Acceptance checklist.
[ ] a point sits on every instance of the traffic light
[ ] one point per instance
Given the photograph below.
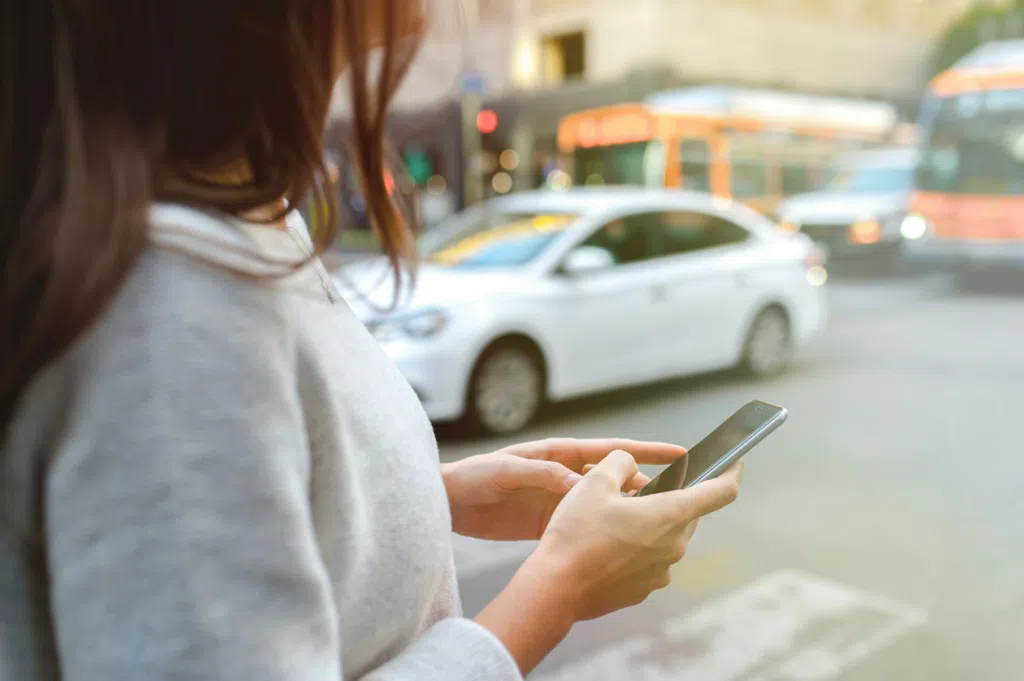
(418, 164)
(487, 121)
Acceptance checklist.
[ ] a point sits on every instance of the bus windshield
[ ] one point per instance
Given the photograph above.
(874, 179)
(613, 164)
(976, 145)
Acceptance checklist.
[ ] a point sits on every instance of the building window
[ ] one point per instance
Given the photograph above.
(565, 57)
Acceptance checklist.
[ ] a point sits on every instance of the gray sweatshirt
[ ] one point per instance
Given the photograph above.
(227, 480)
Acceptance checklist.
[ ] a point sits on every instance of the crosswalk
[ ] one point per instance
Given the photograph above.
(784, 626)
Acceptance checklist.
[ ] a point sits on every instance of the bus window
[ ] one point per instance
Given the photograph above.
(976, 145)
(795, 179)
(695, 160)
(613, 164)
(749, 178)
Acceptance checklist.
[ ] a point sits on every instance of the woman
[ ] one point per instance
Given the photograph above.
(209, 469)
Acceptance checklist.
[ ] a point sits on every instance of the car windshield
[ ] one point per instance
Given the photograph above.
(488, 238)
(874, 179)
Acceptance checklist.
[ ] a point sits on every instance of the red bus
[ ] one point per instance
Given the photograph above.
(967, 210)
(753, 146)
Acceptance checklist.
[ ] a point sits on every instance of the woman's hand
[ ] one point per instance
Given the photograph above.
(511, 494)
(599, 553)
(609, 552)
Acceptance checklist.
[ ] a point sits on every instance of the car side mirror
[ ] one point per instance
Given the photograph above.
(584, 260)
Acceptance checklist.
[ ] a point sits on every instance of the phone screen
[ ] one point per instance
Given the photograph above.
(723, 447)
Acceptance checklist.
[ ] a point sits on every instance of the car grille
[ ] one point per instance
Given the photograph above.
(829, 235)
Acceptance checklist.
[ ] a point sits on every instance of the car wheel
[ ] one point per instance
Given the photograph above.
(768, 348)
(507, 388)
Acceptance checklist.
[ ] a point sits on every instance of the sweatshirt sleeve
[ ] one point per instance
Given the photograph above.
(452, 650)
(179, 534)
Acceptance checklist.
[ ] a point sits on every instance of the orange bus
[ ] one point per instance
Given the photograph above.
(968, 206)
(754, 146)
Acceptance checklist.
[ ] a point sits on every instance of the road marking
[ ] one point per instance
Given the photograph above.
(701, 574)
(787, 626)
(474, 557)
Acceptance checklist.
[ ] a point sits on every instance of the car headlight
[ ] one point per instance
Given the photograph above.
(915, 226)
(425, 324)
(866, 230)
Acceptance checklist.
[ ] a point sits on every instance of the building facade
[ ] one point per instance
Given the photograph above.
(870, 48)
(538, 60)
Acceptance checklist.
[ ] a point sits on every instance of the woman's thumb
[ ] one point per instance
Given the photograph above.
(616, 469)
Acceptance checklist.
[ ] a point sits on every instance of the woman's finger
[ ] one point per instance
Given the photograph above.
(695, 502)
(638, 481)
(547, 475)
(576, 454)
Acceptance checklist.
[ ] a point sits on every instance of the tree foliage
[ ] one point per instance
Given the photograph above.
(978, 25)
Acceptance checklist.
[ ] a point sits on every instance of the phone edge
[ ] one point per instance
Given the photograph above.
(742, 448)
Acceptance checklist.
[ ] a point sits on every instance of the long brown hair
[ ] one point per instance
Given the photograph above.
(108, 105)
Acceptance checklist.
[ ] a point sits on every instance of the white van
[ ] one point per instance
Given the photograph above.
(862, 205)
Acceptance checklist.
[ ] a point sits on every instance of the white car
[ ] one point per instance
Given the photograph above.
(549, 295)
(862, 207)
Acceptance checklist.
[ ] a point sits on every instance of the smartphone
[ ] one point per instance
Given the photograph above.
(726, 445)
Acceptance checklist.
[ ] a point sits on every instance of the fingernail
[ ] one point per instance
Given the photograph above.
(633, 493)
(572, 479)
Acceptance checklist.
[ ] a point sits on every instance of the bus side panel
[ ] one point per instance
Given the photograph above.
(721, 173)
(673, 163)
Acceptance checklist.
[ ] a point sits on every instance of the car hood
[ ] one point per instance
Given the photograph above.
(368, 287)
(841, 207)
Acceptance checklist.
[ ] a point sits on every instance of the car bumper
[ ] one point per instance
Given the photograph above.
(962, 252)
(837, 244)
(437, 372)
(811, 316)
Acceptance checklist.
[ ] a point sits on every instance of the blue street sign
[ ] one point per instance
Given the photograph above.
(473, 83)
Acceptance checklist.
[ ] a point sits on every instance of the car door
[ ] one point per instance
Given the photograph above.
(606, 317)
(701, 264)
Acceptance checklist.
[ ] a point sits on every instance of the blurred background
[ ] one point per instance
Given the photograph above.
(636, 216)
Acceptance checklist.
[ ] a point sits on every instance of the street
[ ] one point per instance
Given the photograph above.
(878, 533)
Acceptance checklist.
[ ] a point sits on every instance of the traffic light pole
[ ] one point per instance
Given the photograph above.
(472, 146)
(524, 137)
